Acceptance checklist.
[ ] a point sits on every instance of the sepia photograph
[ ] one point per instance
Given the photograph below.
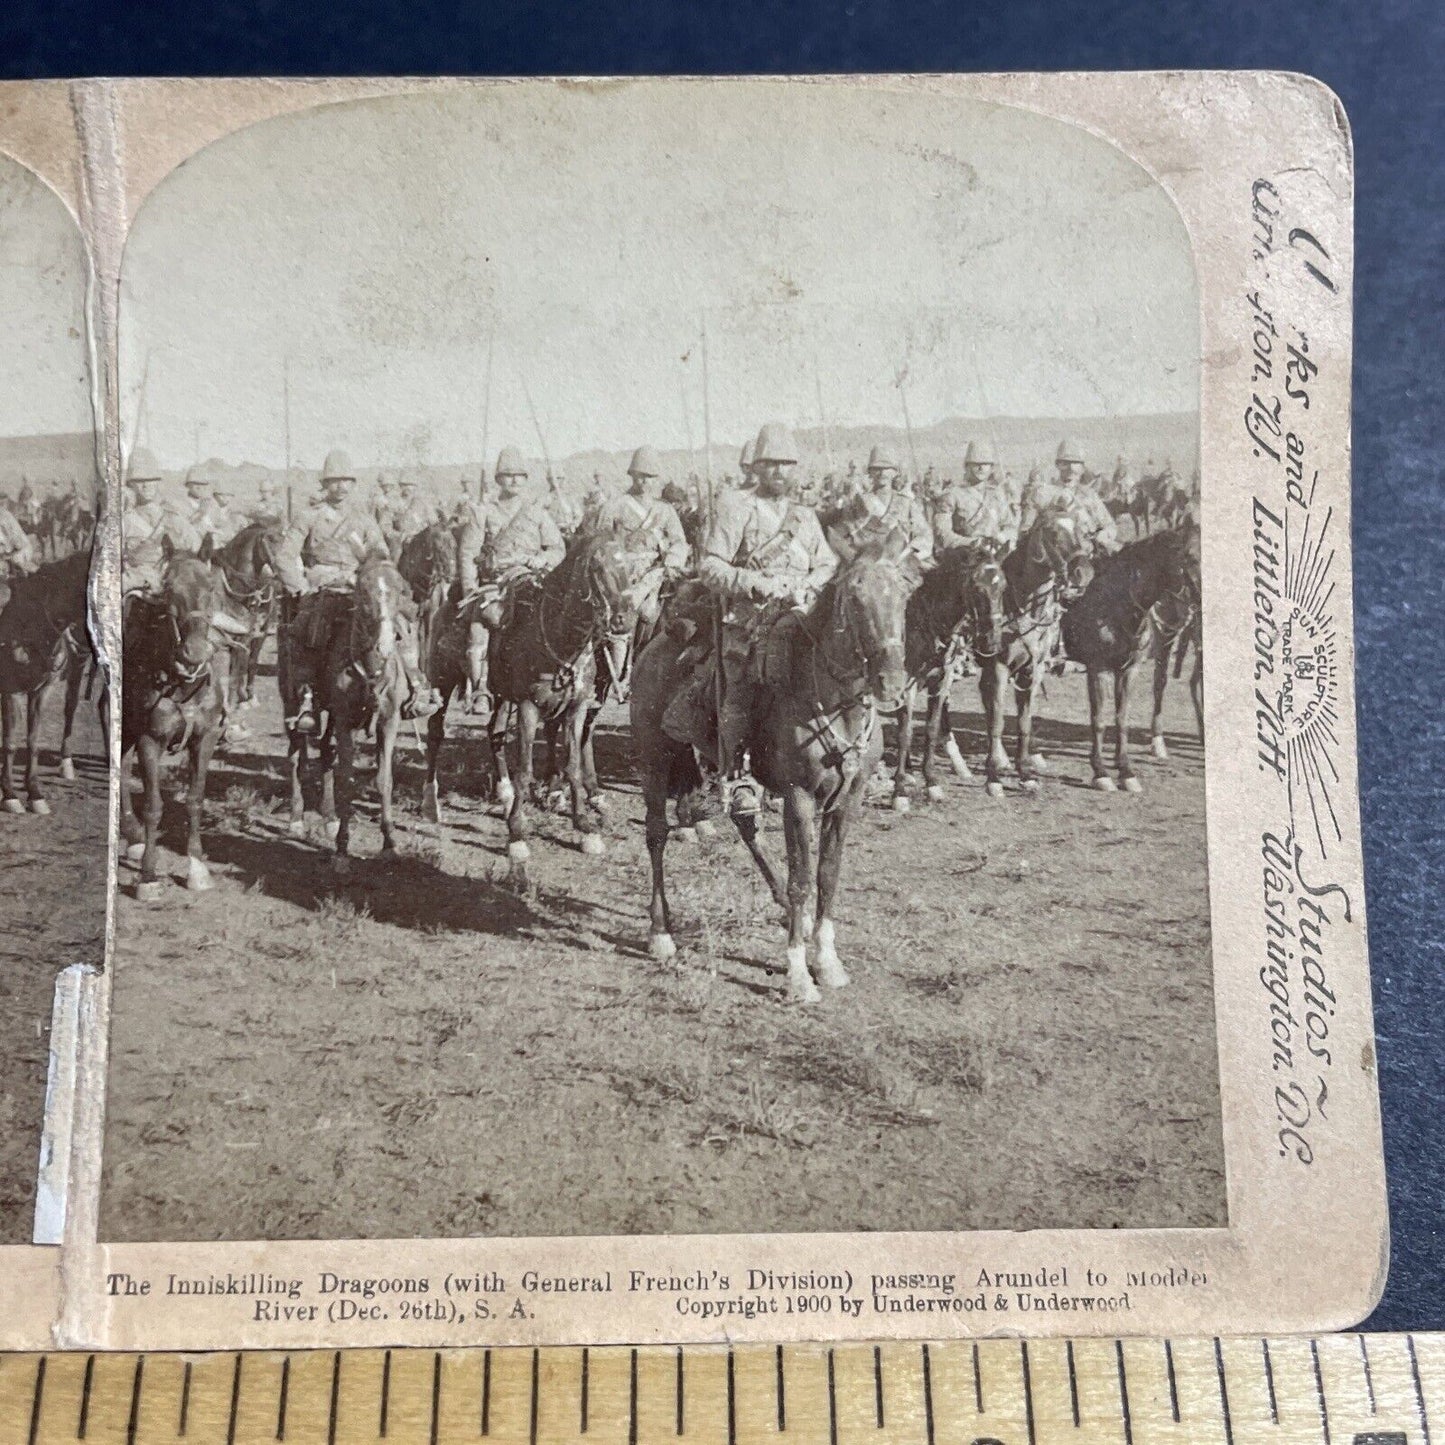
(663, 682)
(54, 780)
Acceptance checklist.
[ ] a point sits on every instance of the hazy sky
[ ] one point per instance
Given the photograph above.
(831, 236)
(44, 376)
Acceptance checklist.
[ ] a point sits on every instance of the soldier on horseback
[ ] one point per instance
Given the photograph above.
(414, 513)
(1067, 494)
(200, 510)
(561, 506)
(764, 557)
(318, 565)
(269, 506)
(18, 555)
(978, 509)
(226, 520)
(147, 524)
(650, 527)
(879, 508)
(506, 538)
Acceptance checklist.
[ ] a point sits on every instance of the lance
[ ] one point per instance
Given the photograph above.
(286, 424)
(822, 415)
(898, 381)
(718, 682)
(487, 415)
(139, 406)
(537, 425)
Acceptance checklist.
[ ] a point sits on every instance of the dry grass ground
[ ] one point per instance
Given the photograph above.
(420, 1050)
(52, 913)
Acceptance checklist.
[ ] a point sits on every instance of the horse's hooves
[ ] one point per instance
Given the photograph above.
(901, 803)
(1133, 785)
(599, 802)
(661, 947)
(506, 796)
(13, 805)
(134, 852)
(296, 828)
(832, 973)
(333, 827)
(955, 760)
(1029, 785)
(1039, 762)
(198, 876)
(518, 852)
(686, 834)
(39, 805)
(706, 828)
(1104, 785)
(148, 892)
(1158, 747)
(994, 789)
(804, 991)
(935, 792)
(67, 770)
(592, 845)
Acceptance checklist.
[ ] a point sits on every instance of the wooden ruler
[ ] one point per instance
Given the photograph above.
(1335, 1390)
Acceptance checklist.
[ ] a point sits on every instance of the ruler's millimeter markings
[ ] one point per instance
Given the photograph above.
(1173, 1383)
(1369, 1378)
(281, 1401)
(680, 1387)
(37, 1394)
(85, 1398)
(1028, 1393)
(832, 1401)
(486, 1392)
(1124, 1393)
(1073, 1383)
(133, 1419)
(782, 1396)
(732, 1400)
(185, 1401)
(335, 1397)
(1320, 1391)
(582, 1391)
(977, 1381)
(632, 1401)
(878, 1385)
(928, 1394)
(1223, 1392)
(236, 1403)
(532, 1417)
(1269, 1382)
(1419, 1393)
(436, 1394)
(385, 1392)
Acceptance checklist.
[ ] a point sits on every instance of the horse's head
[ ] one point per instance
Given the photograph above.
(1057, 545)
(377, 604)
(606, 571)
(870, 608)
(191, 598)
(976, 587)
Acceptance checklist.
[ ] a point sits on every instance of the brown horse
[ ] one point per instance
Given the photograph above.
(1174, 627)
(957, 611)
(1107, 629)
(249, 575)
(816, 740)
(1049, 567)
(172, 697)
(42, 639)
(544, 668)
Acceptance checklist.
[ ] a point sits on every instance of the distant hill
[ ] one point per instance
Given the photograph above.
(60, 458)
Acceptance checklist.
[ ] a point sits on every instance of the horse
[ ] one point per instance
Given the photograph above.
(816, 740)
(957, 609)
(42, 639)
(543, 667)
(1049, 567)
(173, 696)
(1174, 625)
(1126, 498)
(57, 524)
(249, 574)
(1107, 629)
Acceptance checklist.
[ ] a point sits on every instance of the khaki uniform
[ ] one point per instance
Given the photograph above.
(414, 516)
(17, 551)
(871, 515)
(657, 546)
(505, 536)
(565, 512)
(1082, 503)
(974, 513)
(327, 549)
(145, 529)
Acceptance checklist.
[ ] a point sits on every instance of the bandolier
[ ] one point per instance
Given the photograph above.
(148, 525)
(979, 508)
(872, 512)
(1066, 494)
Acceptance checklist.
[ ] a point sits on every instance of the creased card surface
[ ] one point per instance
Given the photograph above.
(516, 479)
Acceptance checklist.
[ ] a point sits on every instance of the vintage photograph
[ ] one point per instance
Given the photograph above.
(53, 771)
(663, 675)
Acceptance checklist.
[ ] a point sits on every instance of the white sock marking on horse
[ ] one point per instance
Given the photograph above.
(956, 760)
(801, 988)
(935, 792)
(830, 967)
(901, 803)
(134, 852)
(518, 852)
(14, 805)
(1158, 746)
(592, 845)
(40, 806)
(661, 947)
(506, 794)
(67, 770)
(198, 876)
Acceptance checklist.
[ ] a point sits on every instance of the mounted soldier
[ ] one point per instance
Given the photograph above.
(872, 512)
(318, 564)
(414, 513)
(764, 558)
(508, 537)
(18, 553)
(561, 506)
(1067, 494)
(650, 529)
(27, 506)
(385, 502)
(148, 526)
(270, 505)
(978, 509)
(200, 507)
(226, 520)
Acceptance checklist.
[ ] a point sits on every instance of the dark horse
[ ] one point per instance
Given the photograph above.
(172, 697)
(957, 611)
(249, 574)
(543, 667)
(816, 741)
(42, 639)
(1049, 567)
(1108, 630)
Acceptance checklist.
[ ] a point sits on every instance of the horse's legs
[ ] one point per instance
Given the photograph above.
(747, 826)
(497, 735)
(991, 678)
(518, 826)
(589, 759)
(574, 725)
(296, 758)
(148, 889)
(326, 750)
(1025, 686)
(342, 759)
(74, 680)
(1097, 724)
(950, 743)
(203, 744)
(659, 928)
(1163, 648)
(34, 708)
(798, 811)
(436, 732)
(901, 801)
(130, 825)
(830, 867)
(387, 728)
(1122, 764)
(1196, 687)
(933, 726)
(10, 708)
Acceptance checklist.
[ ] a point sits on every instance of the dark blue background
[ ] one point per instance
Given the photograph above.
(1384, 60)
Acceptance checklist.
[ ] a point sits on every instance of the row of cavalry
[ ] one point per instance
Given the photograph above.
(883, 633)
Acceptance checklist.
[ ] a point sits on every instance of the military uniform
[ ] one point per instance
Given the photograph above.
(872, 515)
(506, 536)
(145, 529)
(974, 513)
(1082, 503)
(17, 551)
(564, 511)
(415, 514)
(649, 527)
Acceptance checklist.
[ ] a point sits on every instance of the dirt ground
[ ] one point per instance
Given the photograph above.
(421, 1050)
(52, 914)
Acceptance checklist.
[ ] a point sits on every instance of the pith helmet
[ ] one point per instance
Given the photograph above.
(406, 482)
(644, 463)
(775, 444)
(143, 467)
(881, 459)
(267, 487)
(1069, 451)
(198, 478)
(338, 468)
(980, 454)
(746, 459)
(510, 463)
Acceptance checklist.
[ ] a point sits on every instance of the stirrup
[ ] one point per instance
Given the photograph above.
(421, 704)
(742, 796)
(305, 719)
